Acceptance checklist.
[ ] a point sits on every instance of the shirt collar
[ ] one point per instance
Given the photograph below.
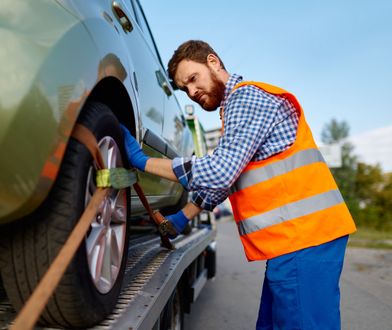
(233, 80)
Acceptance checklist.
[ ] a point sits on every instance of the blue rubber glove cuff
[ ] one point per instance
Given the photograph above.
(179, 221)
(136, 156)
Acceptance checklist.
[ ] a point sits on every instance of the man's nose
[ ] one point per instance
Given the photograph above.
(192, 91)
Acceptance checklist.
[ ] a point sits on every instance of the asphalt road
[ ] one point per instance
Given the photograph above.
(231, 300)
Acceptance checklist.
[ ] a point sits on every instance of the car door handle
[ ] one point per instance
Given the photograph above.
(163, 83)
(122, 17)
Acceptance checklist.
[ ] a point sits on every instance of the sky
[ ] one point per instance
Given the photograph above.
(374, 147)
(335, 56)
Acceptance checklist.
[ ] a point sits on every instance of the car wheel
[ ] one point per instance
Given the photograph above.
(89, 289)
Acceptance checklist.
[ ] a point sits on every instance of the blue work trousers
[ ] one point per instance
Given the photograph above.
(301, 289)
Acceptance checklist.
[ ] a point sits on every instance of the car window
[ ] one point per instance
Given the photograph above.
(143, 24)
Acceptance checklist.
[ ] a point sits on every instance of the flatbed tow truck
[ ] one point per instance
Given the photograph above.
(95, 64)
(159, 284)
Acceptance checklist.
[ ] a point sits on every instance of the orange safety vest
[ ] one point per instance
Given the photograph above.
(289, 201)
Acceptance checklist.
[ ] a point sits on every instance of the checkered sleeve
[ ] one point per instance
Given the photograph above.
(207, 200)
(182, 168)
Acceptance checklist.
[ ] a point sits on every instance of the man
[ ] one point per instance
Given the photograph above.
(287, 206)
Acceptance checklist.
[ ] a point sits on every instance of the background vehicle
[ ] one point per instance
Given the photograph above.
(198, 132)
(95, 63)
(222, 210)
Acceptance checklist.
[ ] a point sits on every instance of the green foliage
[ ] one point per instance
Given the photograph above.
(366, 190)
(374, 192)
(334, 132)
(368, 181)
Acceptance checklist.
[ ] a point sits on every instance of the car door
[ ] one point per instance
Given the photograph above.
(171, 135)
(173, 128)
(173, 119)
(150, 96)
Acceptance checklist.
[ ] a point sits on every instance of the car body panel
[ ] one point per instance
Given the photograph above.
(54, 58)
(35, 127)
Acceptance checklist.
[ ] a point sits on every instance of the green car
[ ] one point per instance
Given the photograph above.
(65, 62)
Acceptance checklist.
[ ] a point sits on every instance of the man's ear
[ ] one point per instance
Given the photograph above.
(213, 62)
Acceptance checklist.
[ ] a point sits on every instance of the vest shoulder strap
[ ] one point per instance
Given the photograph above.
(267, 87)
(270, 89)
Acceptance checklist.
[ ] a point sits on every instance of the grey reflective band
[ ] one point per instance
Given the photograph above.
(301, 158)
(290, 211)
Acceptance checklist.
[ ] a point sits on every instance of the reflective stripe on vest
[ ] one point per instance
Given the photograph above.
(301, 158)
(290, 211)
(290, 200)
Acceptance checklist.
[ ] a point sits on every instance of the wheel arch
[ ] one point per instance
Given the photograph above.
(113, 93)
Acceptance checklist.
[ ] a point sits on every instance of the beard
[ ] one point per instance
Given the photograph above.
(215, 94)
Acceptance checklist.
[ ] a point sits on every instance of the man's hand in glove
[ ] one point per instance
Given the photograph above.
(135, 154)
(179, 221)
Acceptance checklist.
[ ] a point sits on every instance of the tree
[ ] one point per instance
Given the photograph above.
(384, 200)
(368, 185)
(377, 210)
(337, 132)
(368, 182)
(366, 190)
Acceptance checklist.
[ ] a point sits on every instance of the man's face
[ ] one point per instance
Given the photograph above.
(201, 83)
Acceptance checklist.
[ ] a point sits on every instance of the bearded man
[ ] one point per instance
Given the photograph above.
(285, 201)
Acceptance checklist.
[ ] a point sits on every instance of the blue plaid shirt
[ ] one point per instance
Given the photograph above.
(257, 125)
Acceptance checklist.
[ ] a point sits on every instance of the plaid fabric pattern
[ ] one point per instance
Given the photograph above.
(257, 125)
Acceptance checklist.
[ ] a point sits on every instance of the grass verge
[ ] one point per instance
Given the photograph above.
(371, 238)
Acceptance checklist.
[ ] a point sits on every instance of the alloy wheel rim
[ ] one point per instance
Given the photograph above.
(106, 238)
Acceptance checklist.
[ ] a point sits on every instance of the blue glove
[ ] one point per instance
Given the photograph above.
(136, 156)
(178, 220)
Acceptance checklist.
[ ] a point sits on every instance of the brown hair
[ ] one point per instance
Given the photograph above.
(194, 50)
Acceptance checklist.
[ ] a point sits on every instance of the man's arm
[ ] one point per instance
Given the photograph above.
(138, 159)
(161, 167)
(201, 200)
(191, 210)
(181, 172)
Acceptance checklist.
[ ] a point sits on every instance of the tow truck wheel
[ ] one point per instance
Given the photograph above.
(90, 287)
(173, 313)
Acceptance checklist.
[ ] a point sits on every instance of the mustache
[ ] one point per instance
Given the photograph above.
(198, 97)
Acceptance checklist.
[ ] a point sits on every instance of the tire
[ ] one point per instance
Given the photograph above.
(173, 313)
(210, 262)
(85, 294)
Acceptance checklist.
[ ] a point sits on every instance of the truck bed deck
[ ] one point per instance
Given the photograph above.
(151, 275)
